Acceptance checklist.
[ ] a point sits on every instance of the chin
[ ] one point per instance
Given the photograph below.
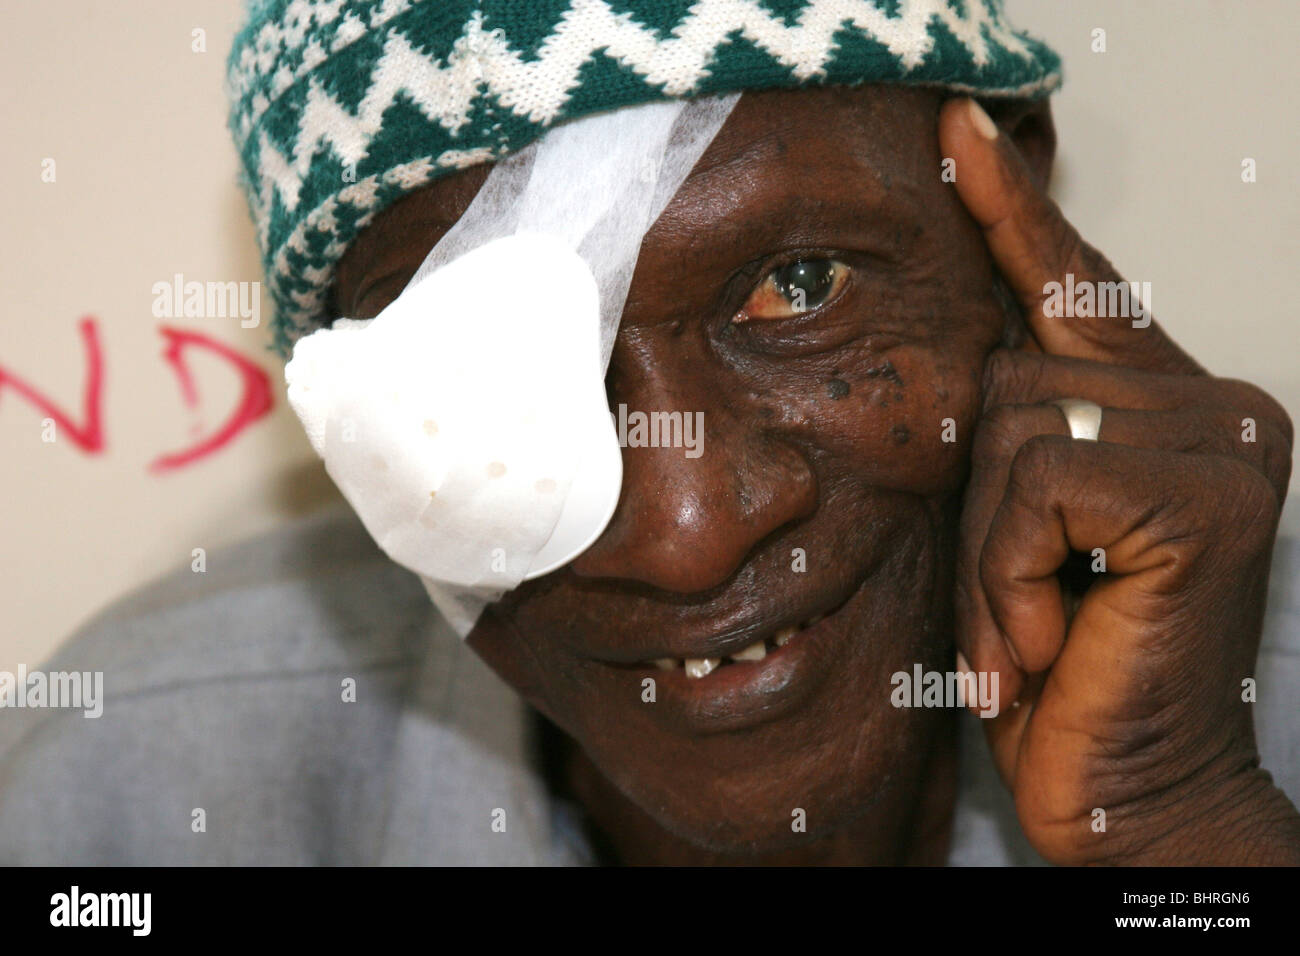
(783, 787)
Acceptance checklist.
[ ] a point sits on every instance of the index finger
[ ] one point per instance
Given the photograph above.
(1069, 292)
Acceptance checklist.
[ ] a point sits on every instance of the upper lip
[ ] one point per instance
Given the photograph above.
(723, 643)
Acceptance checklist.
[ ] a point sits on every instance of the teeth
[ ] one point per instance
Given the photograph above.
(698, 667)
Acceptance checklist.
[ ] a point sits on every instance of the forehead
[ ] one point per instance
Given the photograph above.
(782, 156)
(787, 160)
(881, 132)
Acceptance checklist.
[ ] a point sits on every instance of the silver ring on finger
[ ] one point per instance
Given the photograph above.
(1082, 416)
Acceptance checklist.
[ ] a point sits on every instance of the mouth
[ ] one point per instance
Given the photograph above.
(699, 648)
(748, 676)
(696, 668)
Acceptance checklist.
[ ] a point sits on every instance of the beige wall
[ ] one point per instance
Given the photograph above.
(1152, 134)
(145, 188)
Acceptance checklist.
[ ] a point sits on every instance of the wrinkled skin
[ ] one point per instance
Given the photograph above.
(825, 431)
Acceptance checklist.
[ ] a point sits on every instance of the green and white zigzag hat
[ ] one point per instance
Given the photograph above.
(339, 107)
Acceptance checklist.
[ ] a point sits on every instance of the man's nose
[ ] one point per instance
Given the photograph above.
(687, 524)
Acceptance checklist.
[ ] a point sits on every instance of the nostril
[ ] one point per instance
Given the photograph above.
(694, 527)
(678, 566)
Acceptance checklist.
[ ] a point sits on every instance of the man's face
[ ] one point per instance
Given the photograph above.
(825, 498)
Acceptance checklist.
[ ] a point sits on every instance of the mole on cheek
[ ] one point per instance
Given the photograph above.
(887, 372)
(901, 434)
(837, 388)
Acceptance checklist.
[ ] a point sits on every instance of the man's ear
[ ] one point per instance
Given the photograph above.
(1029, 124)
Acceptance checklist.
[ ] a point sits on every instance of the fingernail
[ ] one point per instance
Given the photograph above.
(982, 121)
(963, 666)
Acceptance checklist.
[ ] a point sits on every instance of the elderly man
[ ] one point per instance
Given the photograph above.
(913, 464)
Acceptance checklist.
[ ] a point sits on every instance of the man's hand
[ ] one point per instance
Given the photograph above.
(1130, 713)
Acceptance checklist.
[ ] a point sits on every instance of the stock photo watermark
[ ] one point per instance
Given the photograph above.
(683, 430)
(76, 908)
(72, 690)
(208, 300)
(1098, 300)
(951, 689)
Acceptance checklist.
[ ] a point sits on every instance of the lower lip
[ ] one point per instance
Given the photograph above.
(744, 693)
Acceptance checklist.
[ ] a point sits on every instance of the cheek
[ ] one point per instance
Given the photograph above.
(900, 420)
(511, 638)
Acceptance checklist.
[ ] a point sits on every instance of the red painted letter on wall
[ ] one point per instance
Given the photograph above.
(255, 401)
(89, 436)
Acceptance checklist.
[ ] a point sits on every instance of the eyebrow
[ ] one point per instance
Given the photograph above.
(404, 232)
(415, 234)
(417, 222)
(780, 210)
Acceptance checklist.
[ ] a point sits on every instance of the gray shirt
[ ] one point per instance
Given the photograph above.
(226, 736)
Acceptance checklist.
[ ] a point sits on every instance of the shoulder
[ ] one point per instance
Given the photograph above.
(222, 697)
(294, 598)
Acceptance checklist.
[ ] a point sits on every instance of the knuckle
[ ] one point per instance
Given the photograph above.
(1000, 432)
(1277, 465)
(1097, 264)
(999, 374)
(1250, 509)
(1037, 464)
(1275, 434)
(1207, 441)
(1258, 501)
(1067, 246)
(1263, 407)
(994, 557)
(1010, 375)
(1274, 458)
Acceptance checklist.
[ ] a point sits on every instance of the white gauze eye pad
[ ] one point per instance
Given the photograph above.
(467, 424)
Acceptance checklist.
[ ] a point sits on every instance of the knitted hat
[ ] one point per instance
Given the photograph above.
(340, 107)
